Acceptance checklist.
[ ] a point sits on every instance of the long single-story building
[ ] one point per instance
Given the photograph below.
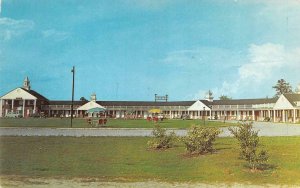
(27, 102)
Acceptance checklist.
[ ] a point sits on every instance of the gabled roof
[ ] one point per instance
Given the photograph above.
(24, 94)
(292, 98)
(198, 106)
(244, 101)
(36, 94)
(90, 105)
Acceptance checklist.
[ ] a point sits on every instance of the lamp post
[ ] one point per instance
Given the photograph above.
(73, 71)
(203, 117)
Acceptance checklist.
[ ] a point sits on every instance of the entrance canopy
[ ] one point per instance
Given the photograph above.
(90, 105)
(198, 106)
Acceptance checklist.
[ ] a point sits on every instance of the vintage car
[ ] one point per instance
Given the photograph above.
(13, 115)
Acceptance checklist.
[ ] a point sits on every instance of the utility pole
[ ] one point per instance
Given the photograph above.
(73, 71)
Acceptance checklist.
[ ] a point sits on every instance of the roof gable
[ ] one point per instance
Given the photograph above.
(198, 106)
(89, 105)
(293, 98)
(283, 103)
(19, 93)
(36, 94)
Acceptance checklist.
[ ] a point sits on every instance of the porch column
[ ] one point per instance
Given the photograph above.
(12, 105)
(283, 115)
(253, 115)
(294, 116)
(23, 109)
(34, 106)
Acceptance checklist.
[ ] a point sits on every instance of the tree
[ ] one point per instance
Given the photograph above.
(224, 97)
(249, 144)
(200, 140)
(161, 140)
(282, 87)
(83, 99)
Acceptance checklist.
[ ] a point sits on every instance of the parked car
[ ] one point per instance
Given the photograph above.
(13, 115)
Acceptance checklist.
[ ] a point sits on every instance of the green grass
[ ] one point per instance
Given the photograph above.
(128, 159)
(113, 123)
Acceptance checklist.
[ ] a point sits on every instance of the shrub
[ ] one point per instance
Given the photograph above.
(161, 140)
(249, 143)
(199, 140)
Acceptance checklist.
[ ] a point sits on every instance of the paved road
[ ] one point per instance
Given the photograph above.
(265, 129)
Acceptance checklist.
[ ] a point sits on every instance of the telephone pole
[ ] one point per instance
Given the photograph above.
(73, 71)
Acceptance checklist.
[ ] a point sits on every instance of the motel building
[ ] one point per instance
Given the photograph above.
(27, 102)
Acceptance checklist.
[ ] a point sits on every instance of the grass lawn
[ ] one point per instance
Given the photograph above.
(127, 159)
(113, 123)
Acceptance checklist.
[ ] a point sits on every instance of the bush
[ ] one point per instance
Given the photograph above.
(199, 140)
(161, 140)
(249, 143)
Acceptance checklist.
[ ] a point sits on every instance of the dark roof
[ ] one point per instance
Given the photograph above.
(36, 94)
(171, 103)
(145, 103)
(292, 98)
(176, 103)
(67, 102)
(244, 101)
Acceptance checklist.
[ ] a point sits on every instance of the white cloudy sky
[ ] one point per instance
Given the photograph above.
(130, 50)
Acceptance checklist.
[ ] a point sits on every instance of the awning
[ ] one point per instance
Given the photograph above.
(155, 111)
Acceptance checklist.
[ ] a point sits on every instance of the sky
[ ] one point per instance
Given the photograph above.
(133, 49)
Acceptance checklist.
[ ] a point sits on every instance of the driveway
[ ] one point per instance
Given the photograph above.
(265, 129)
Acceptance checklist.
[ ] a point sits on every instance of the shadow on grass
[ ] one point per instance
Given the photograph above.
(261, 168)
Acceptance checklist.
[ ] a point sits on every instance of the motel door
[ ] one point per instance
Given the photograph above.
(256, 113)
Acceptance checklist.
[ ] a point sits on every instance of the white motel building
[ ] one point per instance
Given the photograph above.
(26, 101)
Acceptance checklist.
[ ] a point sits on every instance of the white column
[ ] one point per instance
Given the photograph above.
(34, 106)
(12, 105)
(23, 108)
(253, 115)
(294, 116)
(274, 116)
(283, 115)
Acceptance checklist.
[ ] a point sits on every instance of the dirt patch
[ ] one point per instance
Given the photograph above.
(41, 182)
